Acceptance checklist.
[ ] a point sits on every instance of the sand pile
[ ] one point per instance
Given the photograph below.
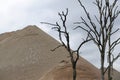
(26, 55)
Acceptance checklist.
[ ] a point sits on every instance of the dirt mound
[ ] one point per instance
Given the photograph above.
(25, 54)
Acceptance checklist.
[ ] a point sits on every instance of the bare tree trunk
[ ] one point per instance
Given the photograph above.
(74, 71)
(102, 72)
(109, 56)
(102, 67)
(109, 71)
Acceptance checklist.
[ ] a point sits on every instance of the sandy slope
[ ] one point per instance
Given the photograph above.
(25, 55)
(85, 71)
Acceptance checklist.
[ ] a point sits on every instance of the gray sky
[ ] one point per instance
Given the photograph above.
(16, 14)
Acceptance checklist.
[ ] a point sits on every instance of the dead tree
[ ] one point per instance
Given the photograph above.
(102, 31)
(64, 34)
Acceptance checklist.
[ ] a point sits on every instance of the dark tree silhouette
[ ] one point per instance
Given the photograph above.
(64, 34)
(102, 31)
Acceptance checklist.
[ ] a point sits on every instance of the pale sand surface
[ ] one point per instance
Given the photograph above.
(85, 71)
(25, 55)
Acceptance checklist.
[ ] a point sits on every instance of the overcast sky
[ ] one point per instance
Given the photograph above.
(16, 14)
